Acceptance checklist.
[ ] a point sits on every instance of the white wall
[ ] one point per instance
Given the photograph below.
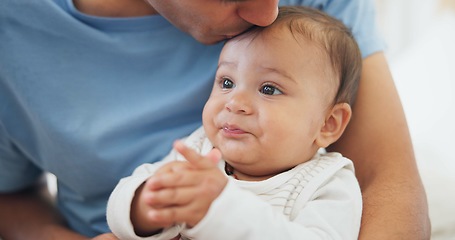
(403, 21)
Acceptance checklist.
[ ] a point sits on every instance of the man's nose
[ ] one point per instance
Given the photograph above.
(259, 12)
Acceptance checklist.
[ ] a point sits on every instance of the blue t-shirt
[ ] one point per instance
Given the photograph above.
(89, 99)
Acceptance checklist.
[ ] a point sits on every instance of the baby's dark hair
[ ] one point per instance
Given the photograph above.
(334, 38)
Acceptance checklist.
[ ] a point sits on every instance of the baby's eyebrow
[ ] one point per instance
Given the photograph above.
(281, 72)
(228, 64)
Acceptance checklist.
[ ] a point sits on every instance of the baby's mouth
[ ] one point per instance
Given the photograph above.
(232, 129)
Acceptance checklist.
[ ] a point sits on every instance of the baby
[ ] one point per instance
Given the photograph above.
(255, 170)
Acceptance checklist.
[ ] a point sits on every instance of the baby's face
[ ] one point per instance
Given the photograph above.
(268, 103)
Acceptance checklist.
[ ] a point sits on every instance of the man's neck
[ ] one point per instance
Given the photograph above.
(115, 8)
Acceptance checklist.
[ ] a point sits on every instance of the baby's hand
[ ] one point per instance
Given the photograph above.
(147, 201)
(182, 192)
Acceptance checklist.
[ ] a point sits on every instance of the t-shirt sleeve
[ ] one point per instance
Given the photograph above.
(16, 170)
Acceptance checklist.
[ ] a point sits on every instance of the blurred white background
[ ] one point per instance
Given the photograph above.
(420, 36)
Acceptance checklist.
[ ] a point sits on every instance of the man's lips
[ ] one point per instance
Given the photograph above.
(235, 33)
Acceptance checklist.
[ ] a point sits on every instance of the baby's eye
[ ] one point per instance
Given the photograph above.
(227, 83)
(270, 90)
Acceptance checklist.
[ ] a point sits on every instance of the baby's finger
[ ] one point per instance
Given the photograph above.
(197, 159)
(156, 218)
(171, 197)
(172, 167)
(190, 214)
(183, 178)
(214, 155)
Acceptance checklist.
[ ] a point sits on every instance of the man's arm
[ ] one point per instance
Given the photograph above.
(379, 143)
(30, 214)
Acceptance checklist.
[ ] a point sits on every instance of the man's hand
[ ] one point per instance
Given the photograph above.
(30, 214)
(180, 192)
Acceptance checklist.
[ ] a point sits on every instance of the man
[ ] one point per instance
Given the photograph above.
(91, 89)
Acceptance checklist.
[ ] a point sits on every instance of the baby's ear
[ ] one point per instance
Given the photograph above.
(335, 123)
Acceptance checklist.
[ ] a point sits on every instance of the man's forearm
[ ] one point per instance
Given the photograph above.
(378, 141)
(30, 215)
(394, 210)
